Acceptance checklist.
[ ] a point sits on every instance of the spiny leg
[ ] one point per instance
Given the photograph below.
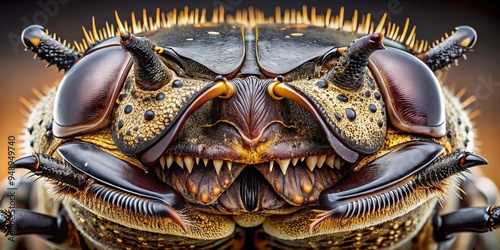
(474, 219)
(22, 222)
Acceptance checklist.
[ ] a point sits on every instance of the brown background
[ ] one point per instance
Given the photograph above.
(19, 73)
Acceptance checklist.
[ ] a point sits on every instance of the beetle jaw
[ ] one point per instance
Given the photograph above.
(221, 162)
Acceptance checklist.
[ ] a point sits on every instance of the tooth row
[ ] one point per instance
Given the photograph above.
(333, 161)
(189, 162)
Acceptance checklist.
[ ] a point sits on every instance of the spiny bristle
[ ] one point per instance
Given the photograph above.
(474, 114)
(478, 144)
(87, 37)
(25, 112)
(37, 93)
(145, 20)
(94, 31)
(54, 36)
(251, 17)
(460, 93)
(29, 105)
(468, 101)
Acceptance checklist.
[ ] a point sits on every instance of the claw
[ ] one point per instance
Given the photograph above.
(392, 178)
(112, 177)
(117, 174)
(379, 175)
(471, 160)
(476, 219)
(29, 162)
(46, 166)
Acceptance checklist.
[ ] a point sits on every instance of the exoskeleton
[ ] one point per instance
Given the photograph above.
(298, 131)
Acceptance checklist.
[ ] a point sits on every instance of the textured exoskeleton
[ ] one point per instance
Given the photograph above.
(251, 132)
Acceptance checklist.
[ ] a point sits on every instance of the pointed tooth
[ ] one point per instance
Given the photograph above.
(302, 158)
(218, 165)
(162, 162)
(283, 165)
(338, 162)
(311, 162)
(179, 160)
(197, 160)
(330, 161)
(271, 166)
(205, 161)
(294, 161)
(321, 161)
(229, 165)
(189, 163)
(170, 159)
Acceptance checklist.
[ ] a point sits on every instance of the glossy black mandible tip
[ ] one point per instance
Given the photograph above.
(471, 160)
(30, 162)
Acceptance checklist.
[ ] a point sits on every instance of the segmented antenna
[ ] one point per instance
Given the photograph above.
(49, 48)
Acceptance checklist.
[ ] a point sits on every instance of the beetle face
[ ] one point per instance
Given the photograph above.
(305, 132)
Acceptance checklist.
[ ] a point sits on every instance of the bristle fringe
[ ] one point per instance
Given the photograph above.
(251, 17)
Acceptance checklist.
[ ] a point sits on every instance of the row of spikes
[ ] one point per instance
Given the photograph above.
(250, 17)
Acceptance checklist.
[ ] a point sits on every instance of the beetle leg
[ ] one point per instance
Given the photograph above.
(48, 48)
(21, 222)
(473, 219)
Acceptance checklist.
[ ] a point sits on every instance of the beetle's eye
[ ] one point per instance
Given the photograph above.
(406, 80)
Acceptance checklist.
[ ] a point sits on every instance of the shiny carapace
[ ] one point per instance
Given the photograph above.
(300, 130)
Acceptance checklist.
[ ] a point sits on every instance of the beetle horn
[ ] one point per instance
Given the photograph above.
(350, 67)
(48, 48)
(150, 72)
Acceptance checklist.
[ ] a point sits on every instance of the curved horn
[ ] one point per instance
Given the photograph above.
(150, 72)
(350, 68)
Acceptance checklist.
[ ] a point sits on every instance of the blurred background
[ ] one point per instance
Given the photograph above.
(479, 74)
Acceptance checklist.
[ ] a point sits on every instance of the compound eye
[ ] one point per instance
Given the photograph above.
(413, 95)
(87, 93)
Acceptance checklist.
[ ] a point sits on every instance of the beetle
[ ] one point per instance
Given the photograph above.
(249, 132)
